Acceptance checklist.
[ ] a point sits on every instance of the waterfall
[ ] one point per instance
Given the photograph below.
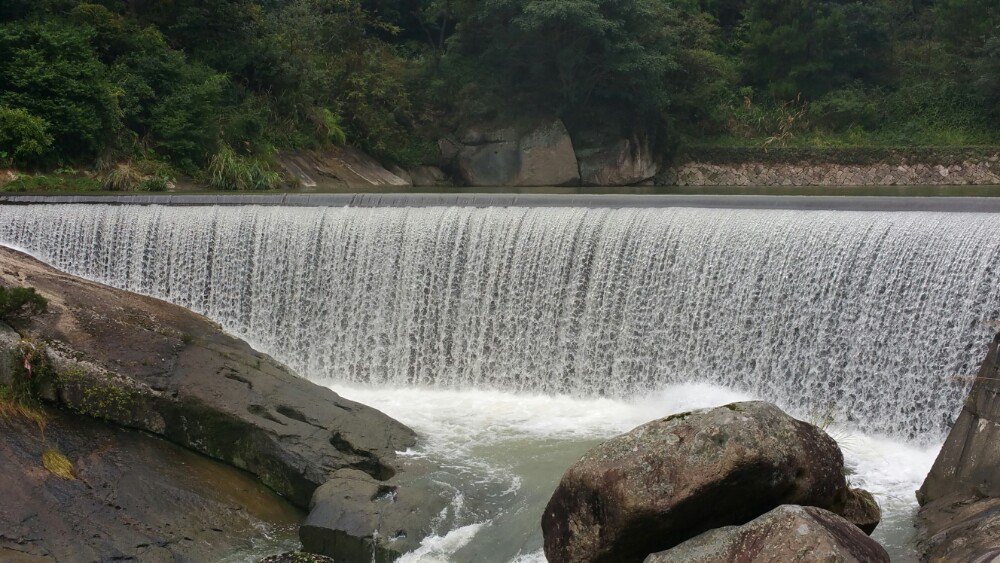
(863, 316)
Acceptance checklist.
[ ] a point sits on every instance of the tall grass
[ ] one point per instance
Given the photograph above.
(233, 172)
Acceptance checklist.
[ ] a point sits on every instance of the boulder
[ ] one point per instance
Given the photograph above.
(969, 461)
(861, 510)
(959, 528)
(143, 363)
(428, 177)
(538, 155)
(337, 167)
(959, 518)
(391, 518)
(624, 163)
(672, 479)
(787, 534)
(131, 496)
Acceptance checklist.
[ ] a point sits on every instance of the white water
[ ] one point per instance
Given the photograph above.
(863, 316)
(506, 453)
(514, 339)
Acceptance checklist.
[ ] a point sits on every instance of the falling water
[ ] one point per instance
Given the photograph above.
(862, 316)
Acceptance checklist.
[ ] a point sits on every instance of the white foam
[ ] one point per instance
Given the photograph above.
(436, 549)
(481, 434)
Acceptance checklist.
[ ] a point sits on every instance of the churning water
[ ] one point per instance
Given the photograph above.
(529, 316)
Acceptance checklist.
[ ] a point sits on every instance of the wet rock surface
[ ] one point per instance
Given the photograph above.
(391, 517)
(672, 479)
(133, 497)
(959, 518)
(787, 534)
(143, 363)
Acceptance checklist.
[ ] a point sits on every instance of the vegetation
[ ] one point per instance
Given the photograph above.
(20, 302)
(213, 88)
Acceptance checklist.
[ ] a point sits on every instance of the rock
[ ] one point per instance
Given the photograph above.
(428, 177)
(402, 174)
(959, 528)
(133, 497)
(969, 461)
(146, 364)
(390, 517)
(625, 163)
(787, 534)
(862, 510)
(297, 557)
(672, 479)
(337, 167)
(539, 155)
(959, 518)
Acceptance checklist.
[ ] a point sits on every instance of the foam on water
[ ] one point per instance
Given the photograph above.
(485, 436)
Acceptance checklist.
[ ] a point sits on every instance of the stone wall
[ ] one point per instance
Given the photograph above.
(984, 171)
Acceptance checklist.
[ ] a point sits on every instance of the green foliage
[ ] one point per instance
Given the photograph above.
(20, 303)
(24, 138)
(50, 70)
(51, 183)
(181, 82)
(231, 171)
(811, 47)
(840, 110)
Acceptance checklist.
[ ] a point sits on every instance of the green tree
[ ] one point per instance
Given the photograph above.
(812, 47)
(51, 70)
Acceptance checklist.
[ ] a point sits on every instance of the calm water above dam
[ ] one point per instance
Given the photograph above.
(515, 338)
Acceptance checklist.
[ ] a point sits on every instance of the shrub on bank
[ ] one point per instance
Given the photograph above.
(231, 171)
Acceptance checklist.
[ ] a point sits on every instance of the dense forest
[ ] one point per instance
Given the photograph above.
(194, 86)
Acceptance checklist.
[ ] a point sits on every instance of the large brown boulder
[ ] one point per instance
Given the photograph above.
(672, 479)
(537, 155)
(624, 163)
(787, 534)
(959, 518)
(143, 363)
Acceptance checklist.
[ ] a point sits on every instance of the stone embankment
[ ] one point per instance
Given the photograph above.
(982, 172)
(140, 363)
(706, 483)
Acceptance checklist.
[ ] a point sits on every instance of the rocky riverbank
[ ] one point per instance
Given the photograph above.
(140, 363)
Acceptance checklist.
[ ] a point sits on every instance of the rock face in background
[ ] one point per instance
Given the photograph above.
(428, 177)
(539, 155)
(787, 534)
(337, 167)
(142, 363)
(672, 479)
(959, 518)
(134, 497)
(624, 163)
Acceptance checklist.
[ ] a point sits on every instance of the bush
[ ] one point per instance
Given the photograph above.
(51, 70)
(154, 184)
(841, 109)
(124, 177)
(20, 303)
(231, 171)
(24, 138)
